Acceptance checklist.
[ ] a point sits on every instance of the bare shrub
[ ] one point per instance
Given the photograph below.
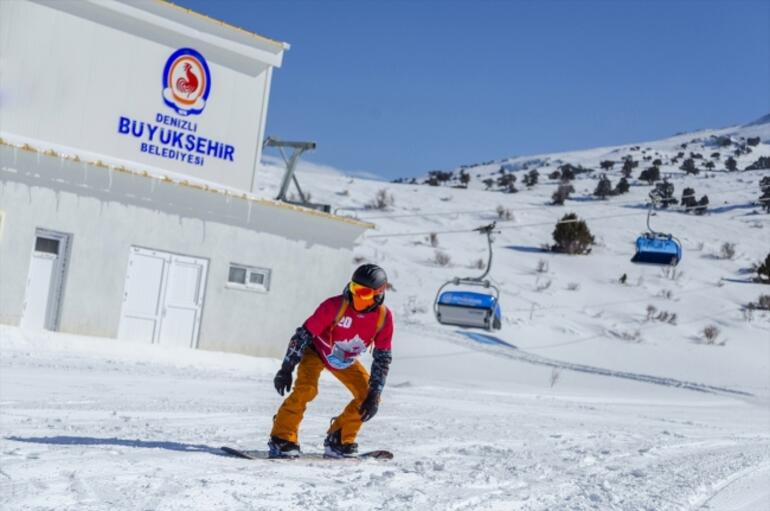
(382, 200)
(653, 314)
(555, 375)
(542, 285)
(573, 286)
(412, 307)
(710, 334)
(665, 293)
(670, 273)
(666, 317)
(433, 239)
(479, 264)
(504, 214)
(762, 303)
(630, 335)
(727, 250)
(748, 313)
(542, 266)
(441, 258)
(633, 336)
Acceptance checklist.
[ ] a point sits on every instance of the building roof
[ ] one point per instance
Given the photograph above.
(182, 180)
(224, 24)
(160, 19)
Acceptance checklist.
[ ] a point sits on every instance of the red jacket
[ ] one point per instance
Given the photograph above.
(339, 345)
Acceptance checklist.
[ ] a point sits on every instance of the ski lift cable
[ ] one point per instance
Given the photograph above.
(535, 224)
(533, 208)
(500, 228)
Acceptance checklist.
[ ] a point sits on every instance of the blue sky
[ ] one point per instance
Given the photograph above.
(399, 88)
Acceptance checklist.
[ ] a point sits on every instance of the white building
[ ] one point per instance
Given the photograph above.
(130, 136)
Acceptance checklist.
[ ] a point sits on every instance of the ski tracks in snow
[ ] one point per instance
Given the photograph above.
(87, 443)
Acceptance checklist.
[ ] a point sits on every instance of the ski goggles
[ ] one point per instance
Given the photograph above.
(363, 292)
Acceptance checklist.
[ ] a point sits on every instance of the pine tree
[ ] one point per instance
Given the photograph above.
(764, 193)
(702, 205)
(622, 186)
(603, 187)
(688, 199)
(665, 192)
(763, 271)
(650, 174)
(530, 179)
(689, 167)
(572, 236)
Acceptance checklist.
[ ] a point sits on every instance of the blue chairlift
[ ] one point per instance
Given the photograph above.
(655, 248)
(469, 308)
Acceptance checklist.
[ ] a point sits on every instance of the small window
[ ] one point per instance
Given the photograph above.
(247, 277)
(237, 275)
(47, 245)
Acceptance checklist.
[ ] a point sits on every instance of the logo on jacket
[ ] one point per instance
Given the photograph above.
(345, 352)
(186, 82)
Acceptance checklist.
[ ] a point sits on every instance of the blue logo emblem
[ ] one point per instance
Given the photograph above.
(186, 82)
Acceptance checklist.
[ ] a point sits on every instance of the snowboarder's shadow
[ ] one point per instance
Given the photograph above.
(118, 442)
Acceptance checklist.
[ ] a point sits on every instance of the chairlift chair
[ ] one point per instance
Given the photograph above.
(468, 308)
(656, 248)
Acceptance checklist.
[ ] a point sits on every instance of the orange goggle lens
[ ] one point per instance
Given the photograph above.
(365, 293)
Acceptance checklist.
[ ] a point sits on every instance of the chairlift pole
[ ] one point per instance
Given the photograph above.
(488, 230)
(291, 163)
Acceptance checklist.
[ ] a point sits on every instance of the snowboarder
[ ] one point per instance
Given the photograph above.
(340, 329)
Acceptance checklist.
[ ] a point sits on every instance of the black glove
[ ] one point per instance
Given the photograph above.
(282, 380)
(368, 408)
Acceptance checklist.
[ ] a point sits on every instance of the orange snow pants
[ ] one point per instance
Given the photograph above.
(355, 378)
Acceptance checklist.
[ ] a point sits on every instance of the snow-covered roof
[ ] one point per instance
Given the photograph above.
(171, 177)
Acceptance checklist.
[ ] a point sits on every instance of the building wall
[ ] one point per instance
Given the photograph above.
(73, 72)
(107, 211)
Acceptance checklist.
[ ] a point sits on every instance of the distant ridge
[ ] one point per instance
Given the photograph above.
(765, 119)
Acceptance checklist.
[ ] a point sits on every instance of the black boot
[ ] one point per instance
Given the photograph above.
(334, 448)
(280, 448)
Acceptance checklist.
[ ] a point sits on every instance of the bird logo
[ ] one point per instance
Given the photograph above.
(186, 82)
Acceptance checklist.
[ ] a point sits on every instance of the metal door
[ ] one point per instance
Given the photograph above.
(183, 301)
(163, 298)
(140, 318)
(42, 297)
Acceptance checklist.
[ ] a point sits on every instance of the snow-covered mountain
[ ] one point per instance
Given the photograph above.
(709, 149)
(602, 390)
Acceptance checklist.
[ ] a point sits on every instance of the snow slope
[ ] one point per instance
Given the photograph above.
(579, 402)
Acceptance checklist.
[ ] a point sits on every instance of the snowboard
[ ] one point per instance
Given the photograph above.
(265, 455)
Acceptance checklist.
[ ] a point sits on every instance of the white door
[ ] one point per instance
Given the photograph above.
(140, 318)
(44, 281)
(183, 301)
(163, 298)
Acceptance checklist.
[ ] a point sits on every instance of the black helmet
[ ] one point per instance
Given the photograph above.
(370, 275)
